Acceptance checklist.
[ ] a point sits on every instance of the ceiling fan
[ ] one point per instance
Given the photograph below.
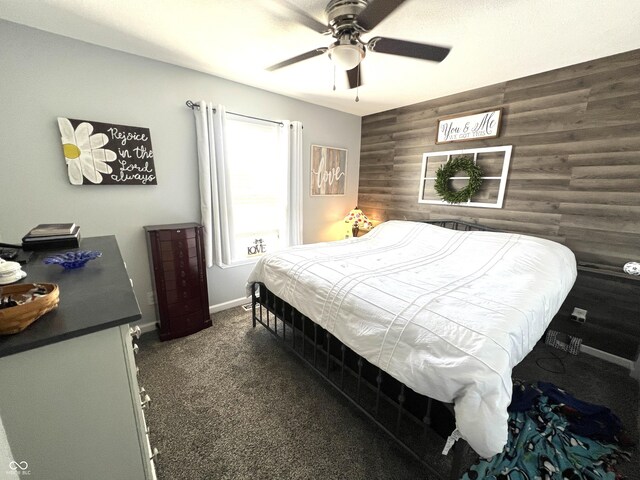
(347, 20)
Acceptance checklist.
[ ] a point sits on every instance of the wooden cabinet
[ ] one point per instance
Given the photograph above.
(176, 255)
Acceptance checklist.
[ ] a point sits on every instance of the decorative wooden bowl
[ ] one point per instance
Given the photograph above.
(17, 318)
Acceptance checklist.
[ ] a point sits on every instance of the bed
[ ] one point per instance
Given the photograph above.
(427, 319)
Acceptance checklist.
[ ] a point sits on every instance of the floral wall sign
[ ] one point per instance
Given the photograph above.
(107, 154)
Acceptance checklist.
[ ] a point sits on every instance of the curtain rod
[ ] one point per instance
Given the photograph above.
(192, 105)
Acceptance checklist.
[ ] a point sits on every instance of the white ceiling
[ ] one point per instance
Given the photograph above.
(492, 41)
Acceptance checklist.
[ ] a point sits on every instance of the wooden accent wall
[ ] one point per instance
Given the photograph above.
(575, 169)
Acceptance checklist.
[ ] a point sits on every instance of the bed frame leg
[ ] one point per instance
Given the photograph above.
(253, 304)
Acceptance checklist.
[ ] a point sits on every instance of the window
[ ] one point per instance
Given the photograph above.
(257, 160)
(250, 182)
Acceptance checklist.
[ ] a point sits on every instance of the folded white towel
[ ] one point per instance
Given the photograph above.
(10, 272)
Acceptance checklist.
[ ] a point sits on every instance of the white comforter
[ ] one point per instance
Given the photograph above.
(447, 313)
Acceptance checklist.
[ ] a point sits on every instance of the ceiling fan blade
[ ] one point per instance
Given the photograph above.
(354, 76)
(405, 48)
(304, 18)
(299, 58)
(376, 11)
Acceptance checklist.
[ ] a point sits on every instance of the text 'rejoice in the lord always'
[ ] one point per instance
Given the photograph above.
(135, 155)
(481, 125)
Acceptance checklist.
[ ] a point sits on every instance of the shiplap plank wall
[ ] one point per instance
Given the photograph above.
(575, 168)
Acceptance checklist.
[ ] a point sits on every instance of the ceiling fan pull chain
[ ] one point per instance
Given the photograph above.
(358, 85)
(334, 77)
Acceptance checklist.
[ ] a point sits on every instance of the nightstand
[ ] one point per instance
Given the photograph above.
(612, 300)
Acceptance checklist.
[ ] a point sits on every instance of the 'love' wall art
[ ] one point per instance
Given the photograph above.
(107, 154)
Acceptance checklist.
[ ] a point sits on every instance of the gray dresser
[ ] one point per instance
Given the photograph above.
(69, 395)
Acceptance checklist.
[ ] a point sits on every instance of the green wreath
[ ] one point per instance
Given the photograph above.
(448, 170)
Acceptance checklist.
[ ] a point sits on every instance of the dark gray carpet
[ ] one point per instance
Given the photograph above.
(231, 402)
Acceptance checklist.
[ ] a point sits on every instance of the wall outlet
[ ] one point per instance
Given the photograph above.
(579, 315)
(151, 300)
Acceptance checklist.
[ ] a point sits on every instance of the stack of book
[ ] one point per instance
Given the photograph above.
(52, 235)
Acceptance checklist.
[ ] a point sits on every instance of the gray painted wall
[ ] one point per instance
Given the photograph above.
(44, 76)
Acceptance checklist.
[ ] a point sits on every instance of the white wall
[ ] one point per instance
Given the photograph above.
(44, 76)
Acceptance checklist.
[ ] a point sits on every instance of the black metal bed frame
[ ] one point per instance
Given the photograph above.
(403, 414)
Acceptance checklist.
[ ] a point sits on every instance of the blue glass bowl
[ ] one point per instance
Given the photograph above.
(71, 260)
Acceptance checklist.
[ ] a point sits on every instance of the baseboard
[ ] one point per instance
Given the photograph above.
(147, 327)
(609, 357)
(230, 304)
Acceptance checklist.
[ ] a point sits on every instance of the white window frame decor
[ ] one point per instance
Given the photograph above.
(474, 153)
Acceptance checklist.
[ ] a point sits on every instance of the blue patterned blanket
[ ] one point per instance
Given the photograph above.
(543, 443)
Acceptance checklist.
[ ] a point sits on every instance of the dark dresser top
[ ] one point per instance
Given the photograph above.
(92, 298)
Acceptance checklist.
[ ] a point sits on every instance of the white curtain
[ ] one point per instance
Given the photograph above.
(215, 199)
(214, 178)
(294, 194)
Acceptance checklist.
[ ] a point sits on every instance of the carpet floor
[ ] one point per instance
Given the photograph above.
(230, 402)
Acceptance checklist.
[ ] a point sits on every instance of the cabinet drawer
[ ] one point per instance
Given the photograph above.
(185, 324)
(188, 282)
(178, 249)
(181, 295)
(183, 233)
(176, 234)
(184, 308)
(173, 276)
(180, 263)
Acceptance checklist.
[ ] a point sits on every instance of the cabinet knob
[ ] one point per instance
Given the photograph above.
(135, 348)
(135, 332)
(137, 370)
(155, 454)
(146, 402)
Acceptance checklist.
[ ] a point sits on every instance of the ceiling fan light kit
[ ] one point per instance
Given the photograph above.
(346, 56)
(347, 20)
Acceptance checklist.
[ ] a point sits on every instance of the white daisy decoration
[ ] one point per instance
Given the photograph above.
(83, 152)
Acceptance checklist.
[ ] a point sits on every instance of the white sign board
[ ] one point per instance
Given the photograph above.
(469, 127)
